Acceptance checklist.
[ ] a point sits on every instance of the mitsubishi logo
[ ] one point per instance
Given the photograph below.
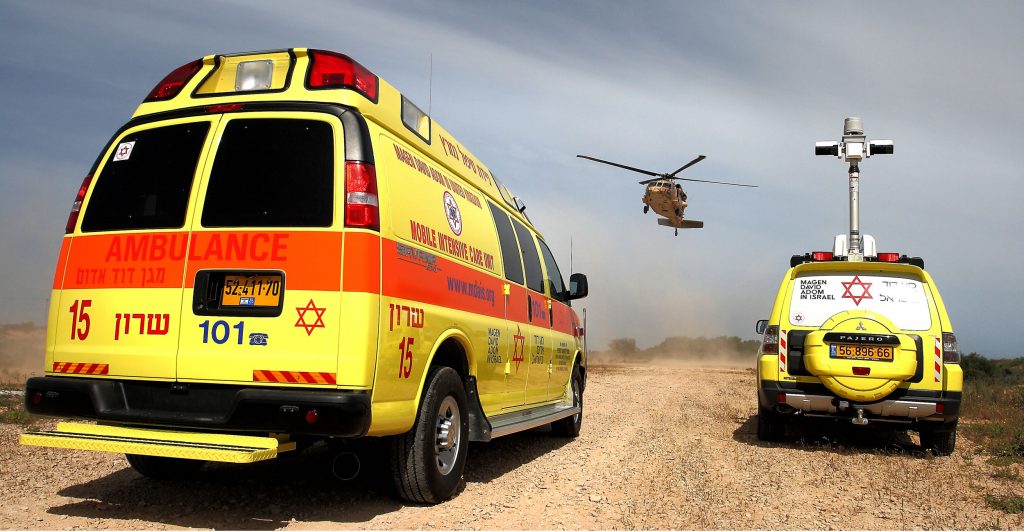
(861, 327)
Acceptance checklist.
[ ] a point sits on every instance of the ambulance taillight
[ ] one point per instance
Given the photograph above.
(329, 70)
(171, 85)
(361, 204)
(76, 207)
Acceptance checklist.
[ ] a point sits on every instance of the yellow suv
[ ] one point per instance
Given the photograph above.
(863, 342)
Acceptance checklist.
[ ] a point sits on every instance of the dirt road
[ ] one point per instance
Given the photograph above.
(661, 447)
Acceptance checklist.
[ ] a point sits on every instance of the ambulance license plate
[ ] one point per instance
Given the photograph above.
(251, 291)
(882, 353)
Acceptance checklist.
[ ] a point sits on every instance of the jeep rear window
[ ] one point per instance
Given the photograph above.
(272, 173)
(816, 298)
(146, 182)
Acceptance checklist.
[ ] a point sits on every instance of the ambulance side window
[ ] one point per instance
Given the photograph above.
(555, 284)
(534, 276)
(509, 248)
(146, 182)
(272, 173)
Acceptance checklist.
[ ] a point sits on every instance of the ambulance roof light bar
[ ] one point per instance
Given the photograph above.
(854, 147)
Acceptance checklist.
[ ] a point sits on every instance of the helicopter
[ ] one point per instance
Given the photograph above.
(667, 198)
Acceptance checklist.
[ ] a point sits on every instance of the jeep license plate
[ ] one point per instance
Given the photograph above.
(251, 291)
(862, 352)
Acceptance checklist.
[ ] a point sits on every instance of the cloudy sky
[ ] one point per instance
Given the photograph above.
(528, 85)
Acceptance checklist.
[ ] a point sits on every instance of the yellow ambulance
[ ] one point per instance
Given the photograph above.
(280, 248)
(866, 342)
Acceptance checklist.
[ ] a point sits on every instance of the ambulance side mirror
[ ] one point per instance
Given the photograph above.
(577, 286)
(761, 326)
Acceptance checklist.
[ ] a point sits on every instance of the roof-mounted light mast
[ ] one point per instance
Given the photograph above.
(854, 147)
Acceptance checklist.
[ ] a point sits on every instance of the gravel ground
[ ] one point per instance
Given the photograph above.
(661, 448)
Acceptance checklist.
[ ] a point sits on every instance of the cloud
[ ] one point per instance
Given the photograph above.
(528, 85)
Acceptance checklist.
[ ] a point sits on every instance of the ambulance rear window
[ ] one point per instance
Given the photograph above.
(272, 173)
(818, 297)
(145, 184)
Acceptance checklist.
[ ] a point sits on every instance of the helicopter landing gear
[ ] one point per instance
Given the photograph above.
(677, 231)
(646, 208)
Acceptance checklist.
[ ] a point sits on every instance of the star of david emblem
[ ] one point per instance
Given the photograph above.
(319, 312)
(519, 344)
(864, 294)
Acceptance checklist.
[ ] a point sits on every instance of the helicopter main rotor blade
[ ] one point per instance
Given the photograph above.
(687, 165)
(715, 182)
(619, 165)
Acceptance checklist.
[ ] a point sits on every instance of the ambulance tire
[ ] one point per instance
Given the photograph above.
(941, 442)
(569, 427)
(163, 468)
(424, 469)
(770, 426)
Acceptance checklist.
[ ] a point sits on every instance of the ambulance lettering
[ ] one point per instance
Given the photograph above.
(149, 324)
(493, 340)
(204, 247)
(414, 317)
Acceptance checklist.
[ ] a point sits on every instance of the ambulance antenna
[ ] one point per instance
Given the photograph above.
(570, 254)
(430, 85)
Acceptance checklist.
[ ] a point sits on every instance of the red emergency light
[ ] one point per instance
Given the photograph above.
(330, 70)
(821, 255)
(888, 257)
(171, 85)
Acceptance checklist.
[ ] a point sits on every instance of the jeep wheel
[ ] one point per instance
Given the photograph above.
(163, 468)
(569, 427)
(942, 442)
(770, 426)
(428, 461)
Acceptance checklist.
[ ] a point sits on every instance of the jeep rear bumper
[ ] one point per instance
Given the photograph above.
(202, 406)
(902, 406)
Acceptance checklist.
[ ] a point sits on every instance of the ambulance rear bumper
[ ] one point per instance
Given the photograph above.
(339, 413)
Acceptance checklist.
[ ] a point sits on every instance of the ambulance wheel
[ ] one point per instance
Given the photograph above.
(428, 461)
(770, 426)
(569, 427)
(646, 208)
(941, 442)
(163, 468)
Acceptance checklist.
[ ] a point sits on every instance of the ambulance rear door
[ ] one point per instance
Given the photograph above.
(120, 287)
(261, 299)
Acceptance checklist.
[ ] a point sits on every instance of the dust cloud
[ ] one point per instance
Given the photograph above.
(681, 351)
(22, 349)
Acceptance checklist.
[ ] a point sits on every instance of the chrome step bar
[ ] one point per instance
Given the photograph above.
(505, 424)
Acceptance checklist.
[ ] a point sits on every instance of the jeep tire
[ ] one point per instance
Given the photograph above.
(770, 426)
(941, 441)
(428, 461)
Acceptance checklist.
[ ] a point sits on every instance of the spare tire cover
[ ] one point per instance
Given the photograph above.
(878, 377)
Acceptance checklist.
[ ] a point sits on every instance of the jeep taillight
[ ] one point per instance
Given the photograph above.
(770, 342)
(361, 205)
(950, 348)
(76, 207)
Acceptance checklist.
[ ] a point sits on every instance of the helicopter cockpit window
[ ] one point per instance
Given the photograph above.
(531, 261)
(509, 248)
(555, 284)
